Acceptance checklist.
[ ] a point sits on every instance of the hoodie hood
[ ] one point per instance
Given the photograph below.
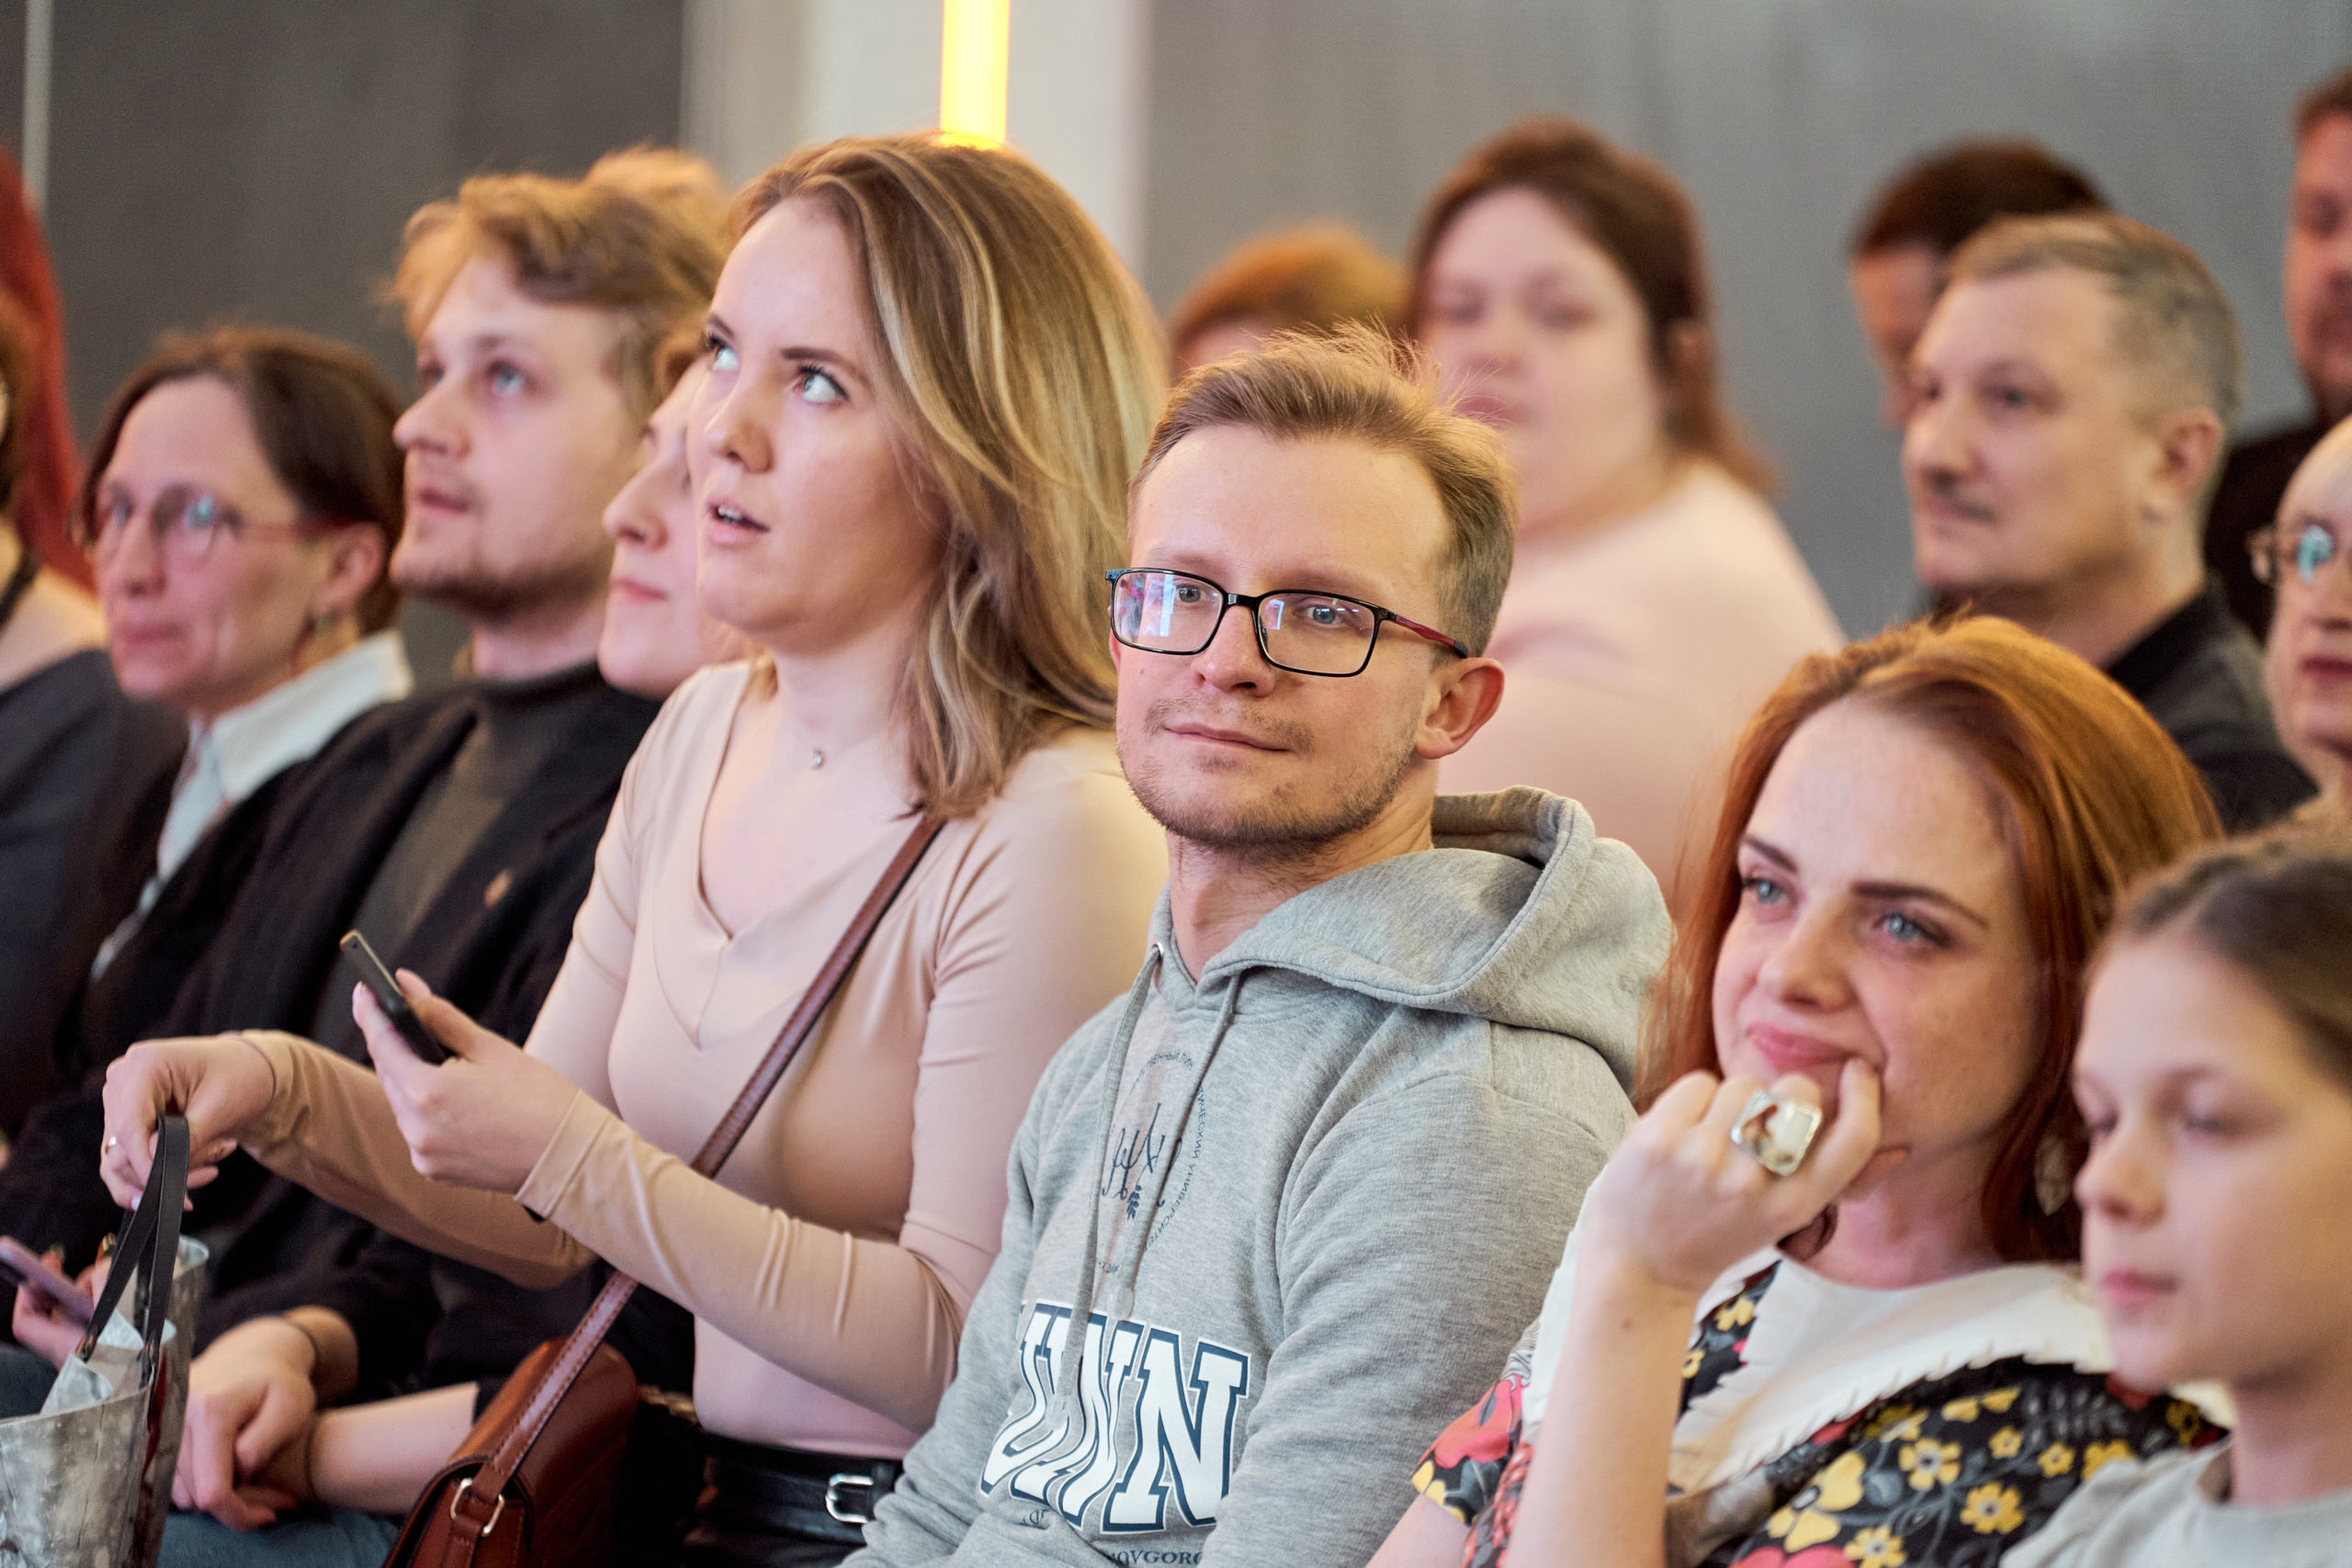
(1520, 914)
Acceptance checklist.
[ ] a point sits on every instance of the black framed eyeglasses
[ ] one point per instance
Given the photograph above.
(2305, 552)
(1304, 632)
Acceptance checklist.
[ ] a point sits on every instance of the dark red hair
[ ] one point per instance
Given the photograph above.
(2093, 794)
(43, 502)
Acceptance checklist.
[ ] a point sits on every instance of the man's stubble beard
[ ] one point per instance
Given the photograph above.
(1279, 827)
(474, 591)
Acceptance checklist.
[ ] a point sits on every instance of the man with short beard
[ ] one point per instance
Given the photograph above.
(1277, 1210)
(457, 829)
(2069, 398)
(2317, 274)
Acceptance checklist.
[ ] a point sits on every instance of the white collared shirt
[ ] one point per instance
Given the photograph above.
(236, 754)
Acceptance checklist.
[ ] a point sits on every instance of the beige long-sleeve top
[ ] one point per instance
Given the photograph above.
(1633, 657)
(831, 1262)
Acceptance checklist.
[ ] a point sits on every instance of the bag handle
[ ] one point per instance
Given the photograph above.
(484, 1493)
(148, 1245)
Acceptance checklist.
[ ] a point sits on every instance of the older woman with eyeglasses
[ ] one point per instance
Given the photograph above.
(2306, 557)
(76, 757)
(243, 494)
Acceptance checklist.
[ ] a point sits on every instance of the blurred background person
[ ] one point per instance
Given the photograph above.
(263, 1403)
(81, 765)
(1558, 281)
(456, 829)
(2071, 396)
(242, 506)
(2317, 278)
(1896, 265)
(2306, 560)
(1312, 279)
(43, 506)
(656, 631)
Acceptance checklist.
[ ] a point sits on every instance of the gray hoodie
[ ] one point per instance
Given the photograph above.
(1270, 1229)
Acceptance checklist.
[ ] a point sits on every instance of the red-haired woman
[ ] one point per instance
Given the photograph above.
(1873, 1349)
(1560, 284)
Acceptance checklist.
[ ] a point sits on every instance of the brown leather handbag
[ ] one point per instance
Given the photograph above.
(532, 1484)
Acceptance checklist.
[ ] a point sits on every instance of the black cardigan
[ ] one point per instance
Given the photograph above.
(491, 943)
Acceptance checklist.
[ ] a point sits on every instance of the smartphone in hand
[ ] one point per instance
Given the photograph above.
(19, 1265)
(392, 999)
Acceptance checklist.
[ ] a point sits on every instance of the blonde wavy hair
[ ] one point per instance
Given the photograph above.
(1022, 370)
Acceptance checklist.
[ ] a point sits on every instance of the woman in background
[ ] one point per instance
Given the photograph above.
(243, 498)
(1559, 283)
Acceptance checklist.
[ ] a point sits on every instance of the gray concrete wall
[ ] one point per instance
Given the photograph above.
(1781, 115)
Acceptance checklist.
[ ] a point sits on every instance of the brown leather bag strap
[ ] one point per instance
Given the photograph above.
(489, 1482)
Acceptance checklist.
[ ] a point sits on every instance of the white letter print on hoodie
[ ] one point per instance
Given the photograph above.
(1181, 1442)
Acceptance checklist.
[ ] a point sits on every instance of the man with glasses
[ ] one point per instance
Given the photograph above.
(1279, 1210)
(2070, 397)
(2306, 558)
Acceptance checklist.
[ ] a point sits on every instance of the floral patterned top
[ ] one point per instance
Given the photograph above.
(1952, 1472)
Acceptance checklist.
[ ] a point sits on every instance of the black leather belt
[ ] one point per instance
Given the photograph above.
(756, 1494)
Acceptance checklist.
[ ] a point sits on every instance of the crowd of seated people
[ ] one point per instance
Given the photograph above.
(1425, 1006)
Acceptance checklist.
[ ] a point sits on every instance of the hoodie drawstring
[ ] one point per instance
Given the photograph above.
(1082, 1299)
(1068, 1399)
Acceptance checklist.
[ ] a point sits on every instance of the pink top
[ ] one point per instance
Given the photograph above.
(829, 1265)
(1633, 657)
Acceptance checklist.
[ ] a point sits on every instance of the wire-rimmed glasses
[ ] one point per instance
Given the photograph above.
(183, 521)
(1301, 630)
(2310, 549)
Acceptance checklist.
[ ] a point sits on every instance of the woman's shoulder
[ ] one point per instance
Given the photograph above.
(1076, 771)
(1065, 809)
(698, 715)
(1748, 549)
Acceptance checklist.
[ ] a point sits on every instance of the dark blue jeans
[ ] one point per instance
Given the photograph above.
(24, 1381)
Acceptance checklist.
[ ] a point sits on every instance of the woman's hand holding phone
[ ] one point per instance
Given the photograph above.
(46, 1326)
(480, 1119)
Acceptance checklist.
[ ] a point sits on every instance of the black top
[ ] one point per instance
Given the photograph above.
(2254, 482)
(490, 942)
(2199, 674)
(85, 776)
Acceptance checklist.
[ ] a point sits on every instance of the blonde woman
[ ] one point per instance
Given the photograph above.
(929, 380)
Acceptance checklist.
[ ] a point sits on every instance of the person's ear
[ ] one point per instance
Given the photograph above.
(1690, 350)
(355, 561)
(2189, 442)
(1464, 694)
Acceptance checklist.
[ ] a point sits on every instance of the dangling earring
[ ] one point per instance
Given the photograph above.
(2052, 1182)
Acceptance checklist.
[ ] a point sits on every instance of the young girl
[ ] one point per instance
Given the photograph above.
(2216, 1075)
